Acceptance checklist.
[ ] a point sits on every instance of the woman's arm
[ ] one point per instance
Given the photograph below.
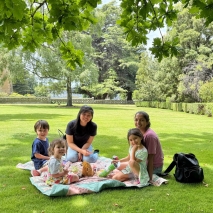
(88, 143)
(150, 166)
(72, 145)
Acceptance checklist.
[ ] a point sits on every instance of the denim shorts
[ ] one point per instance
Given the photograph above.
(158, 170)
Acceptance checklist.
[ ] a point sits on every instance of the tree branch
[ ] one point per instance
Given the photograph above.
(37, 8)
(155, 16)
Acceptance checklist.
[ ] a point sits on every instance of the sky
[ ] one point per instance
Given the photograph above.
(105, 1)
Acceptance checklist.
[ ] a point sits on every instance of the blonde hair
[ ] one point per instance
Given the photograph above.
(58, 141)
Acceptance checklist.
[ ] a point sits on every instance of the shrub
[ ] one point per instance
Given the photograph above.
(206, 91)
(209, 109)
(29, 96)
(185, 107)
(3, 94)
(15, 95)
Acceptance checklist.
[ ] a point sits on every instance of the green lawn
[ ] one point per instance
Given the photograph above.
(178, 132)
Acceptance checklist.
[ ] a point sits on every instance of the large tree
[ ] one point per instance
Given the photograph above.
(47, 63)
(112, 51)
(108, 89)
(196, 58)
(167, 77)
(146, 83)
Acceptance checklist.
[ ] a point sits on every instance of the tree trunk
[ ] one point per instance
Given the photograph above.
(69, 92)
(129, 96)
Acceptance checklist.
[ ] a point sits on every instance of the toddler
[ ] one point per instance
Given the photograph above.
(57, 173)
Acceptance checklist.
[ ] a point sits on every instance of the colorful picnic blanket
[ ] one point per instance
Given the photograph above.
(86, 184)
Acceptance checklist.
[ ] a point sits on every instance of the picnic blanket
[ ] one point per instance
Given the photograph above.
(85, 185)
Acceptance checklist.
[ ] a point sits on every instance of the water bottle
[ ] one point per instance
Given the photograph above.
(110, 168)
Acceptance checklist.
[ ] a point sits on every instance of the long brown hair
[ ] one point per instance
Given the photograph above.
(83, 109)
(136, 132)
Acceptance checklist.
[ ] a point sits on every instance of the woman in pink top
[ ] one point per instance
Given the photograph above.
(151, 142)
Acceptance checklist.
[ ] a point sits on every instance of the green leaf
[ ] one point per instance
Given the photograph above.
(157, 42)
(156, 1)
(19, 9)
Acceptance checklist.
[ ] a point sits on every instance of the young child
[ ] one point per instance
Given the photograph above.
(40, 146)
(57, 173)
(135, 163)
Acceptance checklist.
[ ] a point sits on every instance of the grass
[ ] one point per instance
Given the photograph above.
(178, 132)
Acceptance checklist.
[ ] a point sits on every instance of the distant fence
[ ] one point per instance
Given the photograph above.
(24, 100)
(90, 101)
(45, 100)
(193, 108)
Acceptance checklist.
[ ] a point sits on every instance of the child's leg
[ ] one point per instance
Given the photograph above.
(122, 165)
(135, 167)
(75, 178)
(38, 172)
(120, 176)
(35, 172)
(71, 178)
(140, 172)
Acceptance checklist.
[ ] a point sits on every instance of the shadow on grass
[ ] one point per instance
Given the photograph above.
(31, 116)
(187, 143)
(112, 145)
(200, 145)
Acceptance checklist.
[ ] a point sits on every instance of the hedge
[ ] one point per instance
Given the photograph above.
(193, 108)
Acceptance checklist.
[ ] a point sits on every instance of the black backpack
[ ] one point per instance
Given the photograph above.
(187, 168)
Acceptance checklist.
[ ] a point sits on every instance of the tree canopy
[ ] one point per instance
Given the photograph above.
(30, 23)
(139, 17)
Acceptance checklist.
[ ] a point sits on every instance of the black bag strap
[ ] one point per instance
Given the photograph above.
(61, 134)
(170, 167)
(172, 164)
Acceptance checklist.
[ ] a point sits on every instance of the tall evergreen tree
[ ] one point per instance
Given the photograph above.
(112, 51)
(146, 83)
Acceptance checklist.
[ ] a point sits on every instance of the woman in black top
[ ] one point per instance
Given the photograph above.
(79, 135)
